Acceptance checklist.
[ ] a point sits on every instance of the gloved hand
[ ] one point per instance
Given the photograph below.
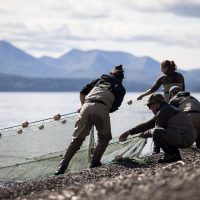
(146, 134)
(140, 97)
(124, 136)
(79, 110)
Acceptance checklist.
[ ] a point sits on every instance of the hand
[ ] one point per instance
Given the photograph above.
(145, 134)
(124, 136)
(140, 97)
(79, 110)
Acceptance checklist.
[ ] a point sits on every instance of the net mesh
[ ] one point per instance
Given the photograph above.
(35, 151)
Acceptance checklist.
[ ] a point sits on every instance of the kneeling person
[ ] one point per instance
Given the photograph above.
(188, 104)
(170, 128)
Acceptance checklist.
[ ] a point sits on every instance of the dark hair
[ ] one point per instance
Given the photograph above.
(119, 67)
(118, 71)
(155, 98)
(170, 65)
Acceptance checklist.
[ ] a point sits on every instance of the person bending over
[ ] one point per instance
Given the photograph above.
(170, 128)
(98, 98)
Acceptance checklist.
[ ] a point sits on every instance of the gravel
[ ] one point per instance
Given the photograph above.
(128, 181)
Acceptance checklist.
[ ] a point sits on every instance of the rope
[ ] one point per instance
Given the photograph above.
(34, 122)
(36, 152)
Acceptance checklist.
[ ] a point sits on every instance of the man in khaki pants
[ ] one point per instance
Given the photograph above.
(98, 98)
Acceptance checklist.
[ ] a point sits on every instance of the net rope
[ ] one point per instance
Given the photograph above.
(35, 151)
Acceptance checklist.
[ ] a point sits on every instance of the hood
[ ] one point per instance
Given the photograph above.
(110, 78)
(183, 94)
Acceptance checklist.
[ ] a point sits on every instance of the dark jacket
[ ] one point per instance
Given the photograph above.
(107, 83)
(164, 114)
(185, 102)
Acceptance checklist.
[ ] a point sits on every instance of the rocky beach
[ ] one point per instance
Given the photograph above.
(122, 180)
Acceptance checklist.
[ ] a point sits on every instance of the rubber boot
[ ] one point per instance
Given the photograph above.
(72, 149)
(156, 150)
(198, 143)
(98, 153)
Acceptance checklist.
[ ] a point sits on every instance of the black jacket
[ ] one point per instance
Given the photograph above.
(116, 88)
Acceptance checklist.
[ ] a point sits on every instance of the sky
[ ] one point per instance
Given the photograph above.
(161, 29)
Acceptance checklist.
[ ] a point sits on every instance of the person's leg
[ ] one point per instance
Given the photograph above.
(82, 129)
(156, 148)
(195, 119)
(197, 140)
(162, 138)
(101, 120)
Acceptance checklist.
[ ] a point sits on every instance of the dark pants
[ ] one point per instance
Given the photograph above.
(170, 140)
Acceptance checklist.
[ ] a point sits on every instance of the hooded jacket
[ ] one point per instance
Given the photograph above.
(108, 88)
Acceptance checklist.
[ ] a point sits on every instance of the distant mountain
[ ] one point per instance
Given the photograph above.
(140, 72)
(86, 64)
(75, 63)
(15, 61)
(192, 79)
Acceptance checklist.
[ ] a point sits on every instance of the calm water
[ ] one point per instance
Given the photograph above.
(19, 107)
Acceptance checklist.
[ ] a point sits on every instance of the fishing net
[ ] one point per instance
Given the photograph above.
(34, 150)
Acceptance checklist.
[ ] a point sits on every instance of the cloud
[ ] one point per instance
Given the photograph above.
(47, 27)
(162, 40)
(186, 9)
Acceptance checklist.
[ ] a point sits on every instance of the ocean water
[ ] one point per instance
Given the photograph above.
(55, 137)
(17, 107)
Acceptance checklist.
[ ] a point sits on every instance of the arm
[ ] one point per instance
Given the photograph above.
(144, 94)
(164, 114)
(82, 98)
(85, 91)
(119, 96)
(154, 88)
(138, 129)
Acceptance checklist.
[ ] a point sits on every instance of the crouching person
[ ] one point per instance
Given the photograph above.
(98, 99)
(170, 128)
(188, 104)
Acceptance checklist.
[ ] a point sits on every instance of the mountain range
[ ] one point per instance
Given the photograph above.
(20, 71)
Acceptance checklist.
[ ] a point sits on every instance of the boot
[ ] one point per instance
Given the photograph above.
(198, 143)
(168, 158)
(93, 164)
(72, 149)
(156, 150)
(98, 153)
(61, 170)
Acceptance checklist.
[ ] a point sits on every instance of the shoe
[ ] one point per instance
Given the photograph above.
(168, 158)
(59, 171)
(156, 150)
(198, 143)
(95, 164)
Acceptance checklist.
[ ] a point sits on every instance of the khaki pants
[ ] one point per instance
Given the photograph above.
(91, 114)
